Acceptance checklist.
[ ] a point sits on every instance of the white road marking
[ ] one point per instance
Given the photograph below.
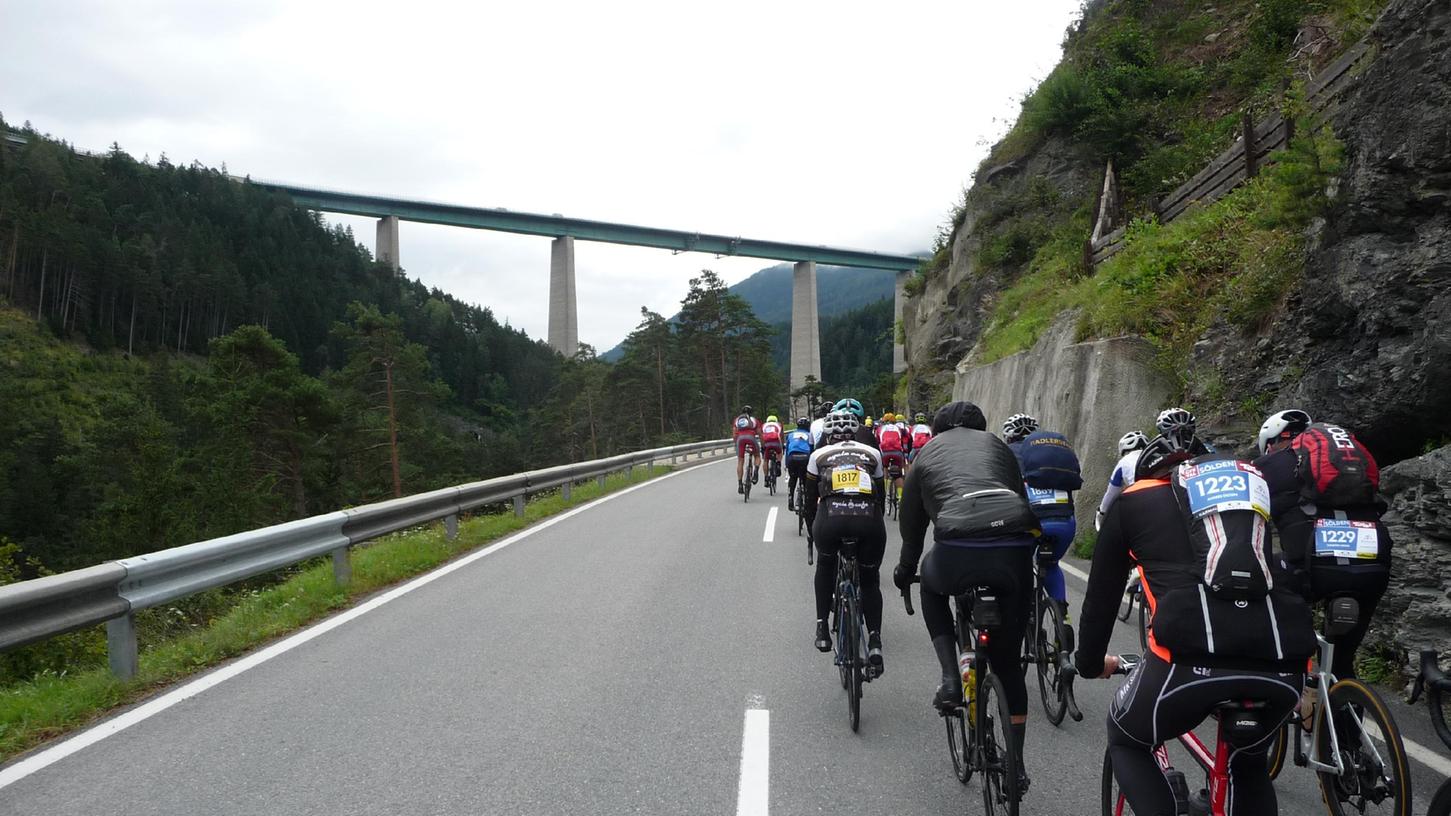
(1414, 750)
(754, 795)
(770, 534)
(42, 759)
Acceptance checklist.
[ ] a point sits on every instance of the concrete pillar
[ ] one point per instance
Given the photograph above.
(563, 313)
(387, 246)
(899, 351)
(805, 327)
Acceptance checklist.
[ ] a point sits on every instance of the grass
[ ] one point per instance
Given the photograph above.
(54, 703)
(1084, 543)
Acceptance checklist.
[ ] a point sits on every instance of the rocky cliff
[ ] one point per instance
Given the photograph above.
(1416, 613)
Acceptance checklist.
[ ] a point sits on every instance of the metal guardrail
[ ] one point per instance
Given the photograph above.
(112, 593)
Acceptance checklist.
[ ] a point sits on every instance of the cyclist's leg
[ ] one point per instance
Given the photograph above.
(871, 534)
(1061, 531)
(938, 572)
(740, 462)
(828, 541)
(1132, 733)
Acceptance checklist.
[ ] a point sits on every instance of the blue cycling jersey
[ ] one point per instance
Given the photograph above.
(798, 441)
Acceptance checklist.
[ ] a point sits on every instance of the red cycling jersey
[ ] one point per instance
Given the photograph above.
(771, 433)
(890, 438)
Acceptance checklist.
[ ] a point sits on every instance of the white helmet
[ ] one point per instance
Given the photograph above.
(1176, 425)
(1019, 426)
(1283, 425)
(840, 424)
(1132, 441)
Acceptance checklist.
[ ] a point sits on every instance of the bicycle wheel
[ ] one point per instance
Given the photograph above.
(1441, 802)
(1440, 705)
(1050, 681)
(959, 743)
(997, 753)
(1114, 803)
(853, 664)
(1281, 748)
(1144, 621)
(1368, 785)
(1126, 607)
(750, 477)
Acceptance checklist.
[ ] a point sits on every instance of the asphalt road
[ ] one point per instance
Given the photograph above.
(602, 664)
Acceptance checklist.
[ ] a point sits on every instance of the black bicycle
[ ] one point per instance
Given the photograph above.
(1049, 646)
(979, 730)
(1436, 686)
(773, 471)
(750, 477)
(849, 626)
(801, 524)
(894, 472)
(1134, 595)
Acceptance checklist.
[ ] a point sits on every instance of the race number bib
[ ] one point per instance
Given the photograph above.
(1215, 487)
(1040, 497)
(851, 480)
(1342, 538)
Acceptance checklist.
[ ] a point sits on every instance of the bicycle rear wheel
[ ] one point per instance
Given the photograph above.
(1126, 607)
(1114, 803)
(1144, 621)
(852, 659)
(997, 753)
(1441, 802)
(1367, 785)
(1280, 748)
(1050, 680)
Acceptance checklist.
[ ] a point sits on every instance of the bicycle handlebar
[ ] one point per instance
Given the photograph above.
(1431, 675)
(907, 594)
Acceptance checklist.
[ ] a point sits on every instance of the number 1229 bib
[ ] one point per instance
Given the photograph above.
(1342, 538)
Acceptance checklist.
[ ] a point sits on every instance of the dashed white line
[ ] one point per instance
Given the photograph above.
(770, 534)
(754, 795)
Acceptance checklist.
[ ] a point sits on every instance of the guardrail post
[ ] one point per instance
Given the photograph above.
(519, 505)
(342, 566)
(650, 469)
(630, 472)
(565, 491)
(450, 526)
(121, 645)
(602, 481)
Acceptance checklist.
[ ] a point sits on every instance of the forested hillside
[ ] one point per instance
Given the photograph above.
(185, 356)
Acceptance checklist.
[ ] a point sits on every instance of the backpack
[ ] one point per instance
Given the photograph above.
(1336, 471)
(1048, 461)
(743, 423)
(1226, 507)
(890, 438)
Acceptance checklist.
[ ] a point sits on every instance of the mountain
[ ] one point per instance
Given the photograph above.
(839, 289)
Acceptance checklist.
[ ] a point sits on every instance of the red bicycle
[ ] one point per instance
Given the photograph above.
(1235, 717)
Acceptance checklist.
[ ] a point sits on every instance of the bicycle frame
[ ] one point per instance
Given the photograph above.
(1313, 757)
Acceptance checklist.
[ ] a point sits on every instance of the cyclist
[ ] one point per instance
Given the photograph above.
(771, 444)
(894, 457)
(798, 450)
(968, 486)
(921, 435)
(1129, 446)
(1052, 473)
(748, 440)
(1224, 628)
(819, 423)
(1322, 574)
(844, 499)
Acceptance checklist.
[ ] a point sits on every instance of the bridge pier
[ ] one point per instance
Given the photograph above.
(563, 309)
(387, 245)
(805, 327)
(899, 351)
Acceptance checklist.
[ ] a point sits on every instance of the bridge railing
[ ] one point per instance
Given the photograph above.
(112, 593)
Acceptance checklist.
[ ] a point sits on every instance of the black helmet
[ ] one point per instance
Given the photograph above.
(748, 410)
(823, 409)
(802, 423)
(960, 414)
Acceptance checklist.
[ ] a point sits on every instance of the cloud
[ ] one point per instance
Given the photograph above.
(838, 124)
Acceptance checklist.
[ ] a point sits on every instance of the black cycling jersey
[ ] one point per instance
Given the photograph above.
(845, 499)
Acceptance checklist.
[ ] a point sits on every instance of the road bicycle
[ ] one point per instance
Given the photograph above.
(1238, 722)
(801, 524)
(1049, 646)
(773, 471)
(751, 472)
(979, 729)
(1354, 773)
(1134, 596)
(894, 472)
(849, 627)
(1437, 687)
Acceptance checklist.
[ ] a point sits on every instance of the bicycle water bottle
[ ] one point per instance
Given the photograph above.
(969, 682)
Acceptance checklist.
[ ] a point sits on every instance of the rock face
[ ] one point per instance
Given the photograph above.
(1365, 340)
(1416, 612)
(942, 324)
(1093, 393)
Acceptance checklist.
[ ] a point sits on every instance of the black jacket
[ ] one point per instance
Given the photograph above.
(1146, 529)
(1295, 527)
(967, 485)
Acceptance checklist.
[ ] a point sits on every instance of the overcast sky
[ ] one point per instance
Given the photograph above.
(841, 123)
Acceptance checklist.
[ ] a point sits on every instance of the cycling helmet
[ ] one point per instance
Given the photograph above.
(823, 409)
(748, 410)
(841, 425)
(867, 422)
(961, 414)
(802, 423)
(1176, 425)
(1132, 441)
(921, 418)
(772, 418)
(1018, 426)
(1283, 425)
(853, 407)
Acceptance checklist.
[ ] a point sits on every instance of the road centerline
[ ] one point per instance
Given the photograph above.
(770, 534)
(753, 798)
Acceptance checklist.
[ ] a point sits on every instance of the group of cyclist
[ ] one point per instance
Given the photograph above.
(1231, 618)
